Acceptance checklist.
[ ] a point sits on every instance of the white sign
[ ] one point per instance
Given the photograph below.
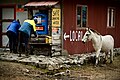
(74, 35)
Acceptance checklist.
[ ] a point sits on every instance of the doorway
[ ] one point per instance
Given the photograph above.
(8, 14)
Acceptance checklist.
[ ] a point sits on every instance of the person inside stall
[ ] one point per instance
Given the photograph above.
(25, 31)
(12, 33)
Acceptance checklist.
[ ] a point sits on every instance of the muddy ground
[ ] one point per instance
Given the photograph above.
(19, 71)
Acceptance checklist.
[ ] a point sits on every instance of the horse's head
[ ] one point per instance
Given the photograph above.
(87, 35)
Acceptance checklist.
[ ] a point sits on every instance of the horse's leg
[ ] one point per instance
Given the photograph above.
(111, 55)
(97, 57)
(105, 58)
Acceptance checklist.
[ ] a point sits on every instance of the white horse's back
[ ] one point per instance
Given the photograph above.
(107, 43)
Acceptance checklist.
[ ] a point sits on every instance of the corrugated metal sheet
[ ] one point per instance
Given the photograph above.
(42, 3)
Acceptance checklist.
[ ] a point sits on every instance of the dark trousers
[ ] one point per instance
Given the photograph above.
(23, 43)
(12, 41)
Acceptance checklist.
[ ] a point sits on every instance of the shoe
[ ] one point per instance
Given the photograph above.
(10, 51)
(15, 52)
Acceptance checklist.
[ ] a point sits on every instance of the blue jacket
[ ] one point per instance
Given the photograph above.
(14, 26)
(27, 27)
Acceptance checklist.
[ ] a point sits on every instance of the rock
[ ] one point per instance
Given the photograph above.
(50, 68)
(65, 53)
(41, 65)
(60, 74)
(64, 66)
(26, 70)
(68, 72)
(56, 54)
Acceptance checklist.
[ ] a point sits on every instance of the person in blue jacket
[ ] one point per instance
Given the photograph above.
(12, 33)
(25, 31)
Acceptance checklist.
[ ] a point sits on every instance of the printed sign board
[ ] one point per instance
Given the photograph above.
(56, 17)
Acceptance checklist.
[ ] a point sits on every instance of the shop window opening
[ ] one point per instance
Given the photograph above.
(81, 16)
(111, 17)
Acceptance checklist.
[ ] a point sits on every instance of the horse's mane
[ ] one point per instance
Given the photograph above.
(95, 31)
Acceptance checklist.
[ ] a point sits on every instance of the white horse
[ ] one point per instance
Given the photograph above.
(100, 43)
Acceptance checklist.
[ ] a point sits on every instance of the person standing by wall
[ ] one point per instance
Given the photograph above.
(25, 31)
(12, 33)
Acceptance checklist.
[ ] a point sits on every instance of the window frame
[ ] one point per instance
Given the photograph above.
(112, 23)
(78, 27)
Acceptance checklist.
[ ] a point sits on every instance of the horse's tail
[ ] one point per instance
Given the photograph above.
(112, 39)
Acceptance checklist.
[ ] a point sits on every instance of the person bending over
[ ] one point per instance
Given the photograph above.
(25, 31)
(12, 33)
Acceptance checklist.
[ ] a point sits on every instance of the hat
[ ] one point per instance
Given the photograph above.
(35, 20)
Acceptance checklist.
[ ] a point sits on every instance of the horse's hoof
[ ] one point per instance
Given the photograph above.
(102, 65)
(19, 56)
(111, 62)
(27, 55)
(95, 66)
(104, 62)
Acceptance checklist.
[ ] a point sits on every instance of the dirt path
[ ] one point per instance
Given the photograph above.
(17, 71)
(105, 72)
